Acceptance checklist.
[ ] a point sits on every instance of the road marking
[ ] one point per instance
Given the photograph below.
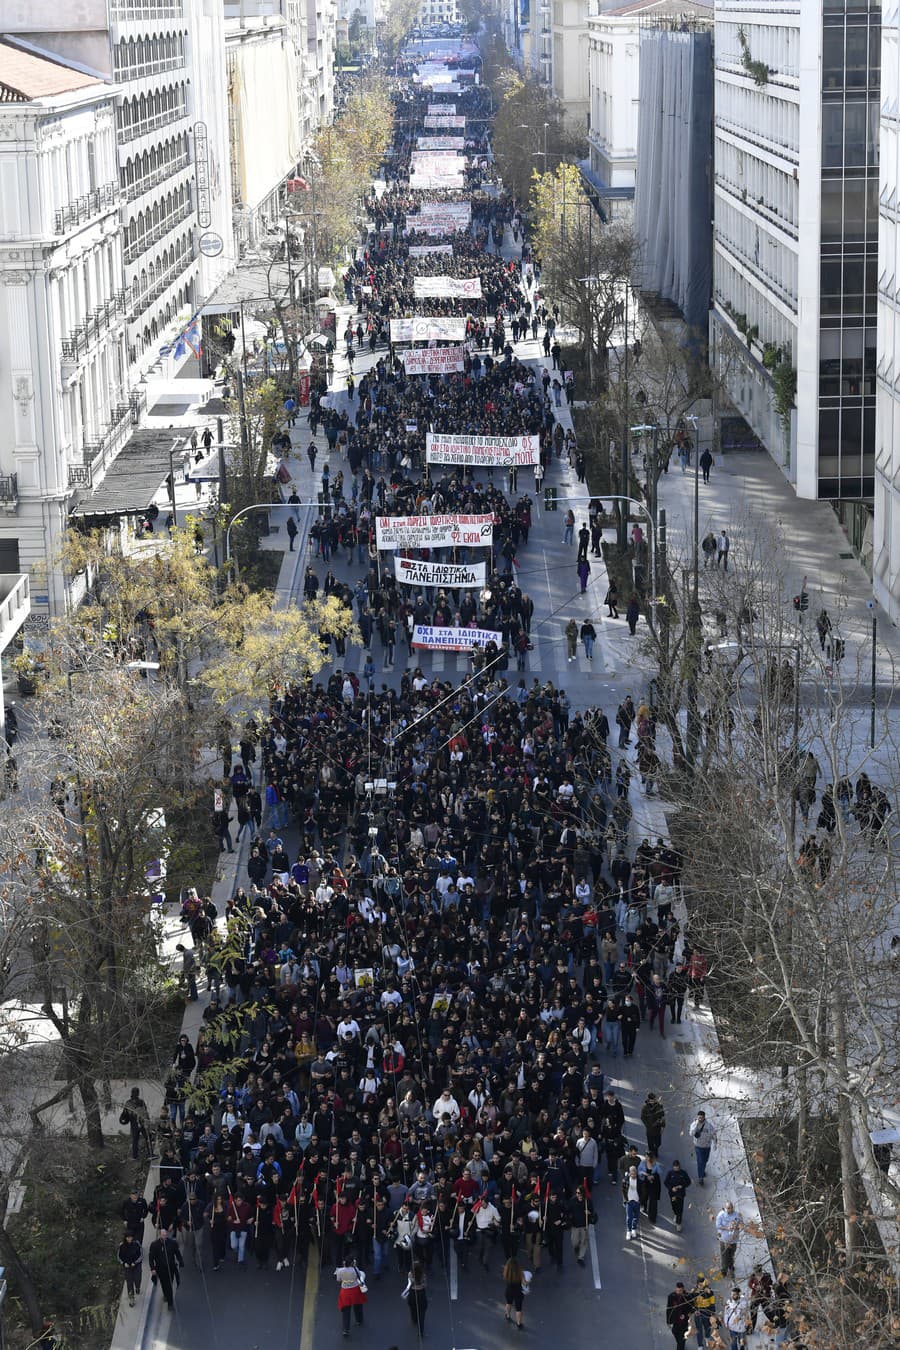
(595, 1260)
(454, 1278)
(310, 1297)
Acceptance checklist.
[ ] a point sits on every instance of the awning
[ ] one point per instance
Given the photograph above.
(254, 285)
(132, 480)
(595, 184)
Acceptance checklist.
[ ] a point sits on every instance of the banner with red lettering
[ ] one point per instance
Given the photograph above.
(433, 360)
(493, 452)
(456, 531)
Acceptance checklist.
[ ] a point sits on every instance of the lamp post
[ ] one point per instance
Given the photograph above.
(255, 506)
(870, 604)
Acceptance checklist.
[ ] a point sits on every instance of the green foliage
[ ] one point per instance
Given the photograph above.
(758, 71)
(67, 1234)
(529, 121)
(784, 381)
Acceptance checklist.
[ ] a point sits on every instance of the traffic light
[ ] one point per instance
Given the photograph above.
(801, 601)
(550, 499)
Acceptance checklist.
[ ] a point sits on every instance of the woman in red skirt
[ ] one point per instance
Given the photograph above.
(351, 1294)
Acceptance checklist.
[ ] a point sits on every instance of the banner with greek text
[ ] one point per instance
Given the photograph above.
(434, 531)
(433, 360)
(454, 215)
(428, 328)
(428, 182)
(447, 288)
(495, 452)
(454, 639)
(432, 143)
(441, 110)
(456, 576)
(439, 122)
(427, 250)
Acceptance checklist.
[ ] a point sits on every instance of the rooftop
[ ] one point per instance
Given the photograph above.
(25, 76)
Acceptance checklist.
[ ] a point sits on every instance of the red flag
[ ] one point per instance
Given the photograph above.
(276, 1213)
(587, 1189)
(513, 1197)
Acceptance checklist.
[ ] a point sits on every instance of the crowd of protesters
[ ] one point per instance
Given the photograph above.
(448, 936)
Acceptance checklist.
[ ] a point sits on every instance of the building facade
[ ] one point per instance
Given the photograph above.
(796, 237)
(569, 60)
(66, 397)
(886, 541)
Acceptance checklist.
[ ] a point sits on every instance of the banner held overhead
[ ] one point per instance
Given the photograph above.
(456, 576)
(455, 531)
(488, 452)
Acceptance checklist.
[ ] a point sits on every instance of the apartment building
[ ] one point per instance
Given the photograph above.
(793, 327)
(67, 402)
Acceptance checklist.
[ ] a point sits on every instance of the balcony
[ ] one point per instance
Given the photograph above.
(159, 175)
(15, 605)
(124, 414)
(150, 9)
(80, 476)
(137, 129)
(85, 208)
(161, 282)
(98, 322)
(140, 246)
(141, 69)
(9, 491)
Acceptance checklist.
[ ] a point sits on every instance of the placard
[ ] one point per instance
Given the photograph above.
(433, 360)
(428, 328)
(456, 576)
(447, 288)
(453, 531)
(454, 639)
(495, 452)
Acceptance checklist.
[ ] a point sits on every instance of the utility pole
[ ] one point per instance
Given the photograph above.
(871, 605)
(623, 515)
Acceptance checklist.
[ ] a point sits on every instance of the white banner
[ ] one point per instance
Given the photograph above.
(432, 143)
(426, 250)
(454, 639)
(436, 161)
(447, 288)
(454, 215)
(441, 122)
(434, 531)
(457, 576)
(433, 360)
(429, 182)
(441, 110)
(498, 452)
(425, 328)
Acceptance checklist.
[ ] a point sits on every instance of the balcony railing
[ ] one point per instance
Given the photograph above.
(79, 475)
(159, 175)
(161, 282)
(9, 489)
(164, 119)
(98, 322)
(139, 70)
(146, 241)
(85, 208)
(150, 9)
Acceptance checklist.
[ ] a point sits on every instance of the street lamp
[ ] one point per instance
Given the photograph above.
(256, 506)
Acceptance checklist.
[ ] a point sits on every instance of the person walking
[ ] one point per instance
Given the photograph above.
(581, 1216)
(588, 637)
(351, 1293)
(653, 1119)
(676, 1182)
(631, 1020)
(416, 1295)
(631, 1195)
(571, 631)
(136, 1116)
(632, 614)
(736, 1317)
(704, 1301)
(130, 1257)
(165, 1262)
(704, 1136)
(723, 548)
(706, 462)
(612, 600)
(292, 532)
(678, 1314)
(729, 1225)
(584, 571)
(515, 1286)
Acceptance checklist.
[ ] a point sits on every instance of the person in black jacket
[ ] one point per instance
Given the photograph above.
(580, 1215)
(165, 1262)
(631, 1020)
(130, 1257)
(678, 1314)
(676, 1182)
